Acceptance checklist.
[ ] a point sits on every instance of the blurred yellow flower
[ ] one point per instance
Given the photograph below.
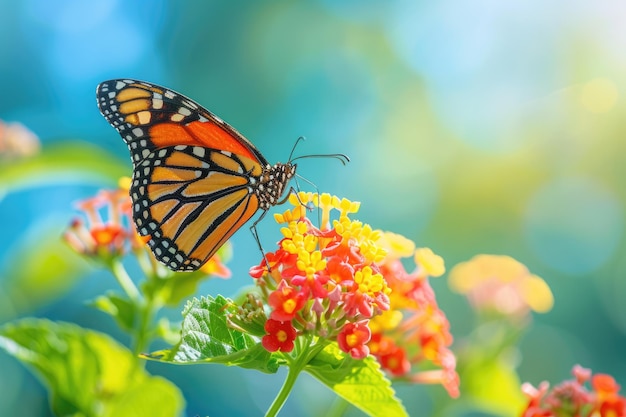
(397, 245)
(215, 265)
(432, 263)
(124, 183)
(502, 284)
(537, 293)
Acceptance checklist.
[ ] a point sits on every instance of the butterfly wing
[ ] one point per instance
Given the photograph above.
(189, 200)
(192, 177)
(149, 117)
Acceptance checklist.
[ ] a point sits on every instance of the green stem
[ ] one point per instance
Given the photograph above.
(122, 277)
(143, 307)
(145, 318)
(295, 368)
(285, 390)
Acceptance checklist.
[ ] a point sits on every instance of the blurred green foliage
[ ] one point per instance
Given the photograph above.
(88, 373)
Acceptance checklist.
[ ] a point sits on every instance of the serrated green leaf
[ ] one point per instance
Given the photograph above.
(120, 308)
(360, 382)
(207, 338)
(88, 373)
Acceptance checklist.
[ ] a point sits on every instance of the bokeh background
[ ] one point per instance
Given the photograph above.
(473, 127)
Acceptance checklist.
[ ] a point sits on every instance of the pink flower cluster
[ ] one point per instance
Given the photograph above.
(573, 398)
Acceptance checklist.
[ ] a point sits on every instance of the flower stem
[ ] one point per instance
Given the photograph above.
(143, 307)
(285, 390)
(141, 332)
(124, 280)
(295, 367)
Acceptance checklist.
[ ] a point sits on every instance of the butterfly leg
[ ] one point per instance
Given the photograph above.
(255, 233)
(317, 191)
(295, 192)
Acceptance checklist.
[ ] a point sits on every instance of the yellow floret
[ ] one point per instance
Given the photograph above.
(433, 264)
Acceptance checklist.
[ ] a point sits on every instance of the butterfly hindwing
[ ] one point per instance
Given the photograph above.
(189, 200)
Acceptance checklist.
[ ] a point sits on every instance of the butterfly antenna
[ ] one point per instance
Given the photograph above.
(293, 149)
(344, 159)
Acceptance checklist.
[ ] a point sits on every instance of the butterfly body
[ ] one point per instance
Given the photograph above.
(196, 180)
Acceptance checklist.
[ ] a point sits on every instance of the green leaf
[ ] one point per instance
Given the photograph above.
(153, 397)
(29, 284)
(360, 382)
(74, 161)
(170, 288)
(88, 373)
(207, 338)
(168, 331)
(175, 287)
(120, 308)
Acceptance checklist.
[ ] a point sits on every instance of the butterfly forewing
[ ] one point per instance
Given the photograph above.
(196, 180)
(149, 117)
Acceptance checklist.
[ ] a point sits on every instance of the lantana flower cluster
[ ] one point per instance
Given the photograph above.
(499, 284)
(323, 281)
(573, 398)
(414, 331)
(345, 282)
(109, 230)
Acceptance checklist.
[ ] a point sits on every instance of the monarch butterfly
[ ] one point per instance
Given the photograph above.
(196, 180)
